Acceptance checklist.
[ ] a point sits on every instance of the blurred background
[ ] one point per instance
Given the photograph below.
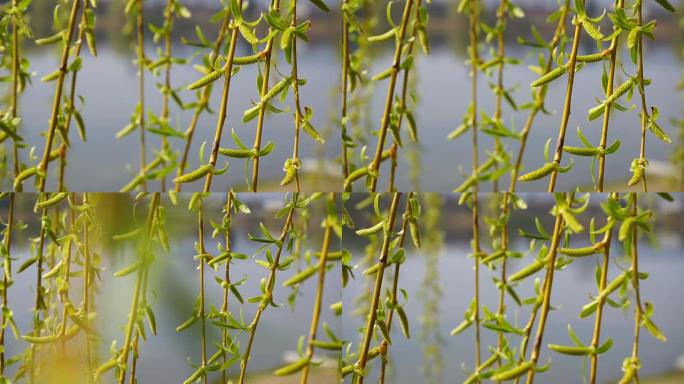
(109, 85)
(173, 288)
(439, 280)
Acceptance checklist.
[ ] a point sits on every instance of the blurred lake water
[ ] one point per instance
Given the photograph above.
(109, 85)
(173, 288)
(448, 269)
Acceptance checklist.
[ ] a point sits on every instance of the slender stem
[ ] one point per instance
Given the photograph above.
(372, 314)
(64, 293)
(527, 331)
(201, 105)
(476, 250)
(137, 292)
(87, 281)
(275, 5)
(42, 175)
(603, 281)
(140, 22)
(226, 291)
(393, 167)
(267, 297)
(403, 102)
(396, 67)
(136, 339)
(609, 106)
(164, 116)
(638, 314)
(546, 301)
(295, 91)
(567, 106)
(395, 285)
(134, 364)
(501, 15)
(72, 97)
(501, 309)
(345, 90)
(539, 96)
(474, 61)
(39, 303)
(224, 104)
(202, 315)
(642, 94)
(7, 277)
(16, 68)
(316, 314)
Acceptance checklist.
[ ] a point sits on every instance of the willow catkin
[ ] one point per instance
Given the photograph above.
(290, 169)
(251, 59)
(659, 132)
(514, 372)
(583, 251)
(355, 175)
(571, 350)
(207, 79)
(384, 36)
(592, 58)
(638, 167)
(301, 276)
(59, 36)
(370, 231)
(539, 173)
(327, 345)
(550, 76)
(582, 151)
(248, 34)
(403, 321)
(415, 233)
(383, 75)
(277, 88)
(373, 269)
(54, 271)
(311, 131)
(592, 30)
(90, 32)
(54, 200)
(531, 269)
(194, 175)
(293, 368)
(614, 285)
(129, 269)
(619, 91)
(237, 153)
(632, 38)
(23, 175)
(348, 369)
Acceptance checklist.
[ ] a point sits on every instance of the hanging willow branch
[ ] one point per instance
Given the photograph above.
(266, 298)
(387, 225)
(57, 99)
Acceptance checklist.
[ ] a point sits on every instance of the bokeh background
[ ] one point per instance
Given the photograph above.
(109, 85)
(173, 288)
(439, 280)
